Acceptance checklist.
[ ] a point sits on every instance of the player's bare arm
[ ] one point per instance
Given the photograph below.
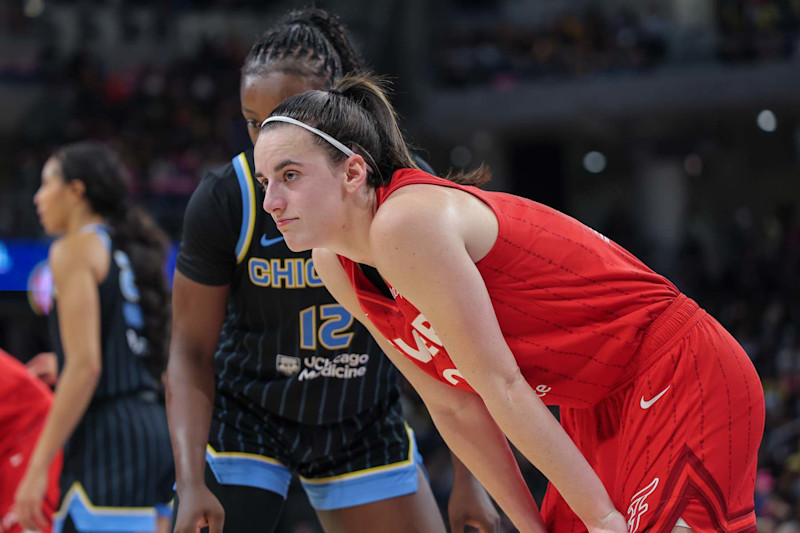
(198, 313)
(78, 263)
(469, 503)
(460, 417)
(422, 248)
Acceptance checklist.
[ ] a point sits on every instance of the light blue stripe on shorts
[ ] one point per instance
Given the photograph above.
(88, 517)
(366, 486)
(325, 494)
(249, 470)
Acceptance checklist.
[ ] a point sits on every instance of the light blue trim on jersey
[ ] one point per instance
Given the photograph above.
(249, 470)
(366, 486)
(245, 178)
(90, 518)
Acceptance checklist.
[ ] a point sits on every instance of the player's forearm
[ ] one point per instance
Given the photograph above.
(460, 470)
(473, 436)
(528, 423)
(75, 390)
(190, 400)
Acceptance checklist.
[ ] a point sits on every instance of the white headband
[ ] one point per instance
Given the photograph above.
(347, 151)
(344, 149)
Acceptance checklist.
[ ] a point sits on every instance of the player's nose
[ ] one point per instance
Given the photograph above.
(274, 200)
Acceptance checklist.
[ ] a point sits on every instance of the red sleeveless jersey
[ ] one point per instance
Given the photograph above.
(573, 306)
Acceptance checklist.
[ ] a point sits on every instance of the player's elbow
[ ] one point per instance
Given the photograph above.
(458, 410)
(499, 388)
(85, 370)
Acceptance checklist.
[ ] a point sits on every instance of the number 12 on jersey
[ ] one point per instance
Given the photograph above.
(334, 321)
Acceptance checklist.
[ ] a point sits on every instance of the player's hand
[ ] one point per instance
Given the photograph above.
(199, 508)
(45, 367)
(470, 505)
(29, 499)
(613, 522)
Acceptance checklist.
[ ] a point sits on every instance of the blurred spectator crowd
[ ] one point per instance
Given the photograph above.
(482, 47)
(758, 29)
(169, 123)
(476, 50)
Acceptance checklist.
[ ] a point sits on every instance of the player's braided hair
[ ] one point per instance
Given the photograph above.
(133, 231)
(309, 42)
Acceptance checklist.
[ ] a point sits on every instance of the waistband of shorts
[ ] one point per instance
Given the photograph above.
(665, 331)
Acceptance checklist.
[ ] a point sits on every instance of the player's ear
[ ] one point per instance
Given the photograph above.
(77, 187)
(356, 172)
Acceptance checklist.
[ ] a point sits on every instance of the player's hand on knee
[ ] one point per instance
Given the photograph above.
(199, 508)
(28, 500)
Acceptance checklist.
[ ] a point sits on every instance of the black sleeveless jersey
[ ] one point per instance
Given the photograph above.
(286, 346)
(121, 323)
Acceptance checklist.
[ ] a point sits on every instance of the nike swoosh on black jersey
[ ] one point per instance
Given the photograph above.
(269, 242)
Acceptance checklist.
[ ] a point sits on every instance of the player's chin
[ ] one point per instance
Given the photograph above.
(52, 230)
(296, 243)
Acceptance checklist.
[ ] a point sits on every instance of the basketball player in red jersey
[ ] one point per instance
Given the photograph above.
(496, 306)
(24, 403)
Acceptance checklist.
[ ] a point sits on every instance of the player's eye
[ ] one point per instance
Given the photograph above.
(291, 176)
(253, 123)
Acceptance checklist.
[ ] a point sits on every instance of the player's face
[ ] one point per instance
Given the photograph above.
(261, 93)
(54, 199)
(304, 190)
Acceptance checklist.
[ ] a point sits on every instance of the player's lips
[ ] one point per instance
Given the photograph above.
(282, 222)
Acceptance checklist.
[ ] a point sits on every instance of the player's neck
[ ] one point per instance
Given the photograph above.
(82, 218)
(352, 240)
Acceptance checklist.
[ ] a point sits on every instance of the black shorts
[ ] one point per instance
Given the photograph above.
(118, 467)
(369, 457)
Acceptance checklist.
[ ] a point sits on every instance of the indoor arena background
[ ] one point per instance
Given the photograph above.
(671, 126)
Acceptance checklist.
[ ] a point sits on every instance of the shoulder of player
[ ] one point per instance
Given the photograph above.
(325, 261)
(420, 212)
(74, 252)
(219, 185)
(221, 178)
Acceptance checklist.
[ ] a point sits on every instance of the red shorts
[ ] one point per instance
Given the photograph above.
(13, 463)
(679, 441)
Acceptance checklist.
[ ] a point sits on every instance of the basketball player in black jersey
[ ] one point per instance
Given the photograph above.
(109, 329)
(268, 375)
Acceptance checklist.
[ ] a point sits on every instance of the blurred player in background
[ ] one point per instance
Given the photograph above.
(268, 376)
(109, 329)
(493, 305)
(24, 403)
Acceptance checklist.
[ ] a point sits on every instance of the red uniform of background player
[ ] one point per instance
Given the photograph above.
(24, 403)
(662, 411)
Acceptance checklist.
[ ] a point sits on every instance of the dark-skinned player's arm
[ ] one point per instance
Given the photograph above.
(469, 503)
(198, 312)
(460, 416)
